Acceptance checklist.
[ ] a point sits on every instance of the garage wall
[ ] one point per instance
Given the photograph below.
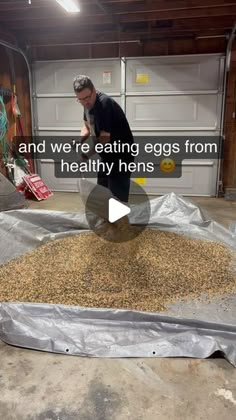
(157, 47)
(229, 168)
(22, 90)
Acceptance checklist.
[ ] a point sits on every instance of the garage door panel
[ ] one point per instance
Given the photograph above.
(47, 171)
(167, 133)
(60, 112)
(192, 111)
(195, 180)
(175, 74)
(57, 77)
(52, 133)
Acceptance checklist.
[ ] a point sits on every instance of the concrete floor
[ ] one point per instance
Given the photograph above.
(44, 386)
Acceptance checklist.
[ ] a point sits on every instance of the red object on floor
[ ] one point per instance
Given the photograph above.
(37, 186)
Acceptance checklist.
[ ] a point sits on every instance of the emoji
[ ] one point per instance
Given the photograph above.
(167, 166)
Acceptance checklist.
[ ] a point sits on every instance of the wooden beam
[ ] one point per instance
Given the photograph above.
(80, 20)
(7, 6)
(5, 35)
(124, 1)
(161, 8)
(94, 35)
(110, 37)
(101, 6)
(193, 25)
(179, 14)
(162, 5)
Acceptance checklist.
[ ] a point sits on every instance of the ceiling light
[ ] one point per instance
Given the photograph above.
(69, 5)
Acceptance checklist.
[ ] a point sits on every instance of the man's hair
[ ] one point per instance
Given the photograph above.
(82, 82)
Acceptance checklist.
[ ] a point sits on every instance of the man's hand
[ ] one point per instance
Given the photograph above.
(84, 157)
(104, 137)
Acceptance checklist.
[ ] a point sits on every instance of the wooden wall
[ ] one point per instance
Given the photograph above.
(22, 91)
(130, 49)
(229, 165)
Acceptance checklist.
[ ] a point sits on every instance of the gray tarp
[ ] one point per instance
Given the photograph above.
(190, 329)
(10, 198)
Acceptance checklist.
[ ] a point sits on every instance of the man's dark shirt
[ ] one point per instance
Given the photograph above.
(108, 116)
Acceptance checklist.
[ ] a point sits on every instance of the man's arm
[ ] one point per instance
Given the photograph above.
(84, 135)
(104, 137)
(85, 132)
(105, 118)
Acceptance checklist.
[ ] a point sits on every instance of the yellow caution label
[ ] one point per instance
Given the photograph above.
(142, 78)
(140, 181)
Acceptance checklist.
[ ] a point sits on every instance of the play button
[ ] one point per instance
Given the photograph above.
(111, 219)
(116, 210)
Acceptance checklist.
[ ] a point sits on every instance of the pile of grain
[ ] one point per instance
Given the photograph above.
(147, 273)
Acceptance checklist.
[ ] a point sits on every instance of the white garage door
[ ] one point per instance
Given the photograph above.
(180, 96)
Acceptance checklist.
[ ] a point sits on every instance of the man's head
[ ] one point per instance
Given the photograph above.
(85, 91)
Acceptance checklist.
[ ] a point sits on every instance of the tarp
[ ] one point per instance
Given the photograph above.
(187, 329)
(10, 198)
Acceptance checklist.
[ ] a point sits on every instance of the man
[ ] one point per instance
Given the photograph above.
(104, 119)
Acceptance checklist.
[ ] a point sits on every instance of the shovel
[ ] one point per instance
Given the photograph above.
(95, 197)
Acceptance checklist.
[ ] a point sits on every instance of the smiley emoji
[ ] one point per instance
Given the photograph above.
(167, 166)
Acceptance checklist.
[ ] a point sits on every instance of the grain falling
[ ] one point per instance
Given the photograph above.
(147, 273)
